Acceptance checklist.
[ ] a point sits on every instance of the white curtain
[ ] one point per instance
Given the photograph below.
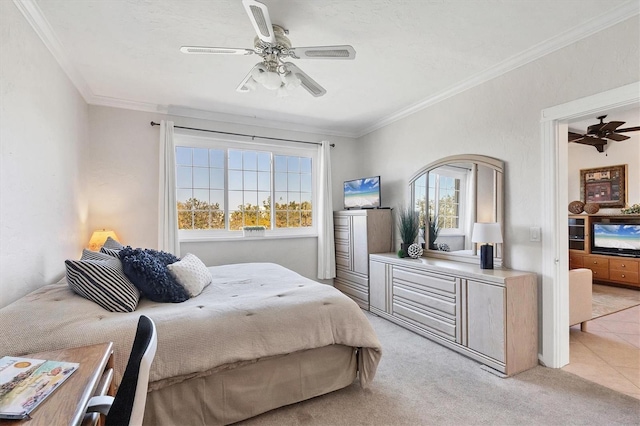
(326, 247)
(167, 209)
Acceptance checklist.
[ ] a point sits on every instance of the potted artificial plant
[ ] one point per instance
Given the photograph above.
(434, 229)
(408, 227)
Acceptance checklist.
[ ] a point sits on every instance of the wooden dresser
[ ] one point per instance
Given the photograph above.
(490, 315)
(357, 234)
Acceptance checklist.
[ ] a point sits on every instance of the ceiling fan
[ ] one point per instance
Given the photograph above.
(597, 134)
(273, 45)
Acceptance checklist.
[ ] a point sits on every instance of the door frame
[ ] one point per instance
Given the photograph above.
(555, 250)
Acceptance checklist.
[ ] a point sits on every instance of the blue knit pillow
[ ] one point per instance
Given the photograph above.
(147, 270)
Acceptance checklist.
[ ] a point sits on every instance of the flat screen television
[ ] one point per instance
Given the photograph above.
(621, 239)
(362, 193)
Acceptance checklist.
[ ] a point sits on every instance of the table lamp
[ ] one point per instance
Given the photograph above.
(486, 233)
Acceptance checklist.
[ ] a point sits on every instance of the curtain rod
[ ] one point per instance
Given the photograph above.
(242, 134)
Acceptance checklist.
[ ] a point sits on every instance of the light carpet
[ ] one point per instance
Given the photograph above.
(422, 383)
(607, 300)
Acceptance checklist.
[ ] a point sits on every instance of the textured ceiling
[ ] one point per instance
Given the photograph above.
(407, 51)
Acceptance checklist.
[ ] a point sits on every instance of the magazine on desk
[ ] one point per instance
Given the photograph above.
(26, 382)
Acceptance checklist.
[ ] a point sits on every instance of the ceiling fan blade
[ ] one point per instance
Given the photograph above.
(247, 84)
(573, 137)
(305, 81)
(259, 16)
(323, 52)
(628, 129)
(202, 50)
(590, 140)
(616, 137)
(611, 126)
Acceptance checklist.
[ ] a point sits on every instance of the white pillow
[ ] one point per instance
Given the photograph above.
(191, 274)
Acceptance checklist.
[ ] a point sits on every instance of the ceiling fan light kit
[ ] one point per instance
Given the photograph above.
(272, 44)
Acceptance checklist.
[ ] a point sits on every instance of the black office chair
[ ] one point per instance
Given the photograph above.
(127, 407)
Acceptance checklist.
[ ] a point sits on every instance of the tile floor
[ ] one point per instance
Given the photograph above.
(609, 352)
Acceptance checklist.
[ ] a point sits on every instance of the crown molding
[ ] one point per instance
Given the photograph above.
(40, 25)
(179, 111)
(595, 25)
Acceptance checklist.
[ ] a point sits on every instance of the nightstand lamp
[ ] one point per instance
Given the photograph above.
(99, 237)
(487, 233)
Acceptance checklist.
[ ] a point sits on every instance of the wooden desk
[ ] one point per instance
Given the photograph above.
(67, 404)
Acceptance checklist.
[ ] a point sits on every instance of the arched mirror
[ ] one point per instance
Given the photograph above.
(450, 195)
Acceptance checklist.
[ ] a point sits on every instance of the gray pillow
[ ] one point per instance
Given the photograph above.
(103, 282)
(94, 255)
(191, 274)
(110, 243)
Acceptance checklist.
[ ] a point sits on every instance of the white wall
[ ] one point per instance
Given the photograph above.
(122, 172)
(501, 118)
(43, 126)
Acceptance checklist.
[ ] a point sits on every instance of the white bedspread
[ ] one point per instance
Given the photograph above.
(250, 311)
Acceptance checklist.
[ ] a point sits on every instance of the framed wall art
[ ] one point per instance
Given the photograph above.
(605, 186)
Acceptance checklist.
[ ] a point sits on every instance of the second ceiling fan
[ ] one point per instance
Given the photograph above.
(598, 134)
(273, 45)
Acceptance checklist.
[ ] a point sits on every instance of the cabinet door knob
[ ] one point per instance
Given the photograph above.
(622, 275)
(622, 265)
(595, 273)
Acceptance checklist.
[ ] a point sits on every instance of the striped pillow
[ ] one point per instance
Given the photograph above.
(111, 252)
(94, 255)
(103, 282)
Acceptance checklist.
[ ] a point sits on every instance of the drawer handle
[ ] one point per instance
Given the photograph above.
(595, 273)
(595, 262)
(622, 265)
(622, 275)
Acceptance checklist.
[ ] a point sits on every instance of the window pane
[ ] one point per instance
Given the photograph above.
(235, 160)
(200, 177)
(202, 195)
(183, 177)
(216, 158)
(264, 201)
(305, 183)
(185, 220)
(235, 220)
(307, 218)
(235, 180)
(264, 219)
(305, 200)
(281, 201)
(201, 157)
(250, 218)
(294, 201)
(201, 219)
(216, 178)
(250, 181)
(235, 200)
(264, 161)
(183, 196)
(217, 219)
(305, 165)
(294, 219)
(183, 156)
(250, 160)
(281, 219)
(281, 182)
(216, 199)
(294, 164)
(264, 181)
(293, 182)
(250, 200)
(281, 163)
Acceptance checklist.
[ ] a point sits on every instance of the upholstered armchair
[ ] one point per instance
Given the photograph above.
(580, 288)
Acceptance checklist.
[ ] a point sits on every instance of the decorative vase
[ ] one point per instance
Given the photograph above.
(591, 208)
(405, 247)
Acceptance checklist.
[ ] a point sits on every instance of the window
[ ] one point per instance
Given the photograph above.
(446, 190)
(223, 186)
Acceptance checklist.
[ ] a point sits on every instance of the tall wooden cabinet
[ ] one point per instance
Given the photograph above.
(490, 315)
(357, 234)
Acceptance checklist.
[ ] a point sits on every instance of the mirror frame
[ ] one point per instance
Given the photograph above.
(492, 163)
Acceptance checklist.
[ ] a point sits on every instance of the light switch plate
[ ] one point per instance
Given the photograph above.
(534, 233)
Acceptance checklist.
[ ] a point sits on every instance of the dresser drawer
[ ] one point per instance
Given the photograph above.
(576, 260)
(342, 248)
(628, 265)
(438, 304)
(599, 273)
(441, 284)
(623, 276)
(360, 296)
(342, 260)
(341, 221)
(341, 236)
(425, 320)
(356, 279)
(592, 262)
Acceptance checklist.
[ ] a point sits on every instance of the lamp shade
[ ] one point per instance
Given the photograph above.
(486, 233)
(99, 237)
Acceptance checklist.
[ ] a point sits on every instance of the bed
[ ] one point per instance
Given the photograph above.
(258, 337)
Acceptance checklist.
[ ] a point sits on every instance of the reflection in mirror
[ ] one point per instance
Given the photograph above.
(449, 196)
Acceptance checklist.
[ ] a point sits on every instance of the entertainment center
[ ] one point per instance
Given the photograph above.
(608, 245)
